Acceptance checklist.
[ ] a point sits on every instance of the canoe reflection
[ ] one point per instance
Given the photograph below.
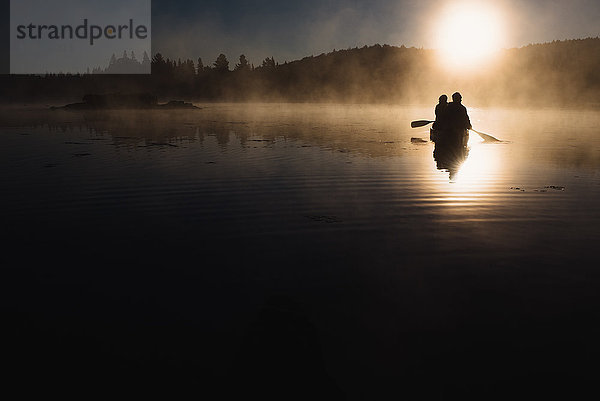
(450, 157)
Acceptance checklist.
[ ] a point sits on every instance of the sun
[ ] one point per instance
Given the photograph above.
(468, 34)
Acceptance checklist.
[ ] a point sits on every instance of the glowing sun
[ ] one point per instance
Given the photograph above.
(468, 34)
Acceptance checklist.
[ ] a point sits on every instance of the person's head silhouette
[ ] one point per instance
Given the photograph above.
(443, 99)
(456, 97)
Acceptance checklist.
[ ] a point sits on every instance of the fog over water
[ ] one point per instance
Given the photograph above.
(181, 236)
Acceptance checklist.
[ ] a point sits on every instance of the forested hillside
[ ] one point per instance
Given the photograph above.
(557, 73)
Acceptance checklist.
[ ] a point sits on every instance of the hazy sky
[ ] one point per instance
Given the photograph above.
(292, 29)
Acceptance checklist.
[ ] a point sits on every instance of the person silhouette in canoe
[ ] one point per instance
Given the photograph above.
(440, 110)
(450, 153)
(456, 118)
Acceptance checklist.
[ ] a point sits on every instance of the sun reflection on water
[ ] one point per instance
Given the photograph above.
(472, 171)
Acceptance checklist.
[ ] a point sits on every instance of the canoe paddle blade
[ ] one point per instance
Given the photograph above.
(420, 123)
(486, 137)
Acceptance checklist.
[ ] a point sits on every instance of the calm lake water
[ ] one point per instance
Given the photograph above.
(301, 249)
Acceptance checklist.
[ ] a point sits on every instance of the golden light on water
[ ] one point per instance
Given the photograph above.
(479, 165)
(468, 34)
(470, 171)
(475, 176)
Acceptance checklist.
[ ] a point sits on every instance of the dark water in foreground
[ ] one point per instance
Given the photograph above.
(301, 251)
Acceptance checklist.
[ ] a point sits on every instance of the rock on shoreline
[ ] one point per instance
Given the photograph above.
(124, 101)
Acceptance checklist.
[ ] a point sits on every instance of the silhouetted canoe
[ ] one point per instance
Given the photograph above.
(449, 137)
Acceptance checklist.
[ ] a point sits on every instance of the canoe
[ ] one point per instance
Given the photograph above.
(449, 137)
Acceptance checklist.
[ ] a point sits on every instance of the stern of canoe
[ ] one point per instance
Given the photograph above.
(449, 137)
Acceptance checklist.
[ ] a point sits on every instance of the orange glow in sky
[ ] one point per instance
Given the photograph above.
(468, 34)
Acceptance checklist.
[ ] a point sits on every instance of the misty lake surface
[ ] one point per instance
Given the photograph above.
(302, 247)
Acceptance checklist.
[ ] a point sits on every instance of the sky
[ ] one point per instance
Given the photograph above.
(289, 30)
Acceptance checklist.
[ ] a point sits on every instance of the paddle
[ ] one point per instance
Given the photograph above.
(420, 123)
(485, 137)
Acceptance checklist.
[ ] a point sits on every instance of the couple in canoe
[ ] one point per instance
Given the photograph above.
(451, 119)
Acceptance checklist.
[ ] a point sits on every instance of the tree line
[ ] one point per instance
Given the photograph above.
(560, 72)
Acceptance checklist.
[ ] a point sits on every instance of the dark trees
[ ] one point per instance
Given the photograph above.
(243, 65)
(221, 64)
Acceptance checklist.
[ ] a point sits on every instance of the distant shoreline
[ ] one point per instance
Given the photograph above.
(140, 101)
(559, 73)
